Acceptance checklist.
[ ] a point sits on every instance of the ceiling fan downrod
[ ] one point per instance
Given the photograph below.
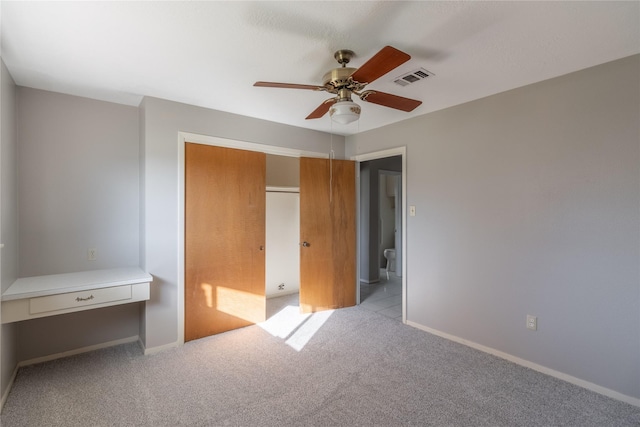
(343, 56)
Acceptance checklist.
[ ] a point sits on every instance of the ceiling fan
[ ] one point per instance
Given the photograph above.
(345, 81)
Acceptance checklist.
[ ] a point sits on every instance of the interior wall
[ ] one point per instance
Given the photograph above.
(78, 172)
(282, 272)
(163, 120)
(387, 217)
(283, 171)
(527, 203)
(8, 218)
(78, 183)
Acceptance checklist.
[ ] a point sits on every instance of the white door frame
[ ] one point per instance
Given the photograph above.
(398, 151)
(183, 138)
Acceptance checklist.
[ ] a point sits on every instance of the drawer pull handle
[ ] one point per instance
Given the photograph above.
(84, 299)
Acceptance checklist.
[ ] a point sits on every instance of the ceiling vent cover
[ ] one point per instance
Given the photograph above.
(413, 77)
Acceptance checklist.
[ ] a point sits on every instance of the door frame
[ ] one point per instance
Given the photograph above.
(183, 138)
(375, 155)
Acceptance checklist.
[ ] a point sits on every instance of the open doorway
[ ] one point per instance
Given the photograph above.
(282, 267)
(381, 236)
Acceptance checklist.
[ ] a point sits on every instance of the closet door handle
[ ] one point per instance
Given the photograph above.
(261, 248)
(306, 244)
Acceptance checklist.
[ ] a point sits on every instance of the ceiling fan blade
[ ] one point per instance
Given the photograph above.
(380, 64)
(391, 101)
(288, 86)
(322, 109)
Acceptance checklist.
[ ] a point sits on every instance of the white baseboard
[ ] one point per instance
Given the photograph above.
(78, 351)
(522, 362)
(55, 356)
(157, 349)
(5, 395)
(283, 293)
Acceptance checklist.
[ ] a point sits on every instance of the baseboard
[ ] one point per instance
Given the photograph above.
(283, 293)
(7, 390)
(157, 349)
(368, 282)
(527, 364)
(78, 351)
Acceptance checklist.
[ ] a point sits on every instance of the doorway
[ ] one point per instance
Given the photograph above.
(382, 187)
(319, 295)
(282, 227)
(183, 139)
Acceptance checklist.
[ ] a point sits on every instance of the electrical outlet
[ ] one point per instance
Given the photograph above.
(281, 287)
(532, 322)
(92, 254)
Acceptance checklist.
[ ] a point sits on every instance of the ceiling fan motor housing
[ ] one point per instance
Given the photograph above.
(340, 78)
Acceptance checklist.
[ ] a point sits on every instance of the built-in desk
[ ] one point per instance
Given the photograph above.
(41, 296)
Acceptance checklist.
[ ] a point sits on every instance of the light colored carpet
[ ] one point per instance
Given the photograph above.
(359, 368)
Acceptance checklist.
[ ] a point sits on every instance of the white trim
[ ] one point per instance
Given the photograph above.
(249, 146)
(398, 151)
(380, 154)
(158, 349)
(5, 395)
(358, 207)
(283, 189)
(184, 137)
(527, 364)
(78, 351)
(282, 294)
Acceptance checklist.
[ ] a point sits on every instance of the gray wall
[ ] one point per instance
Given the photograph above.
(283, 171)
(527, 203)
(8, 217)
(162, 122)
(78, 181)
(369, 213)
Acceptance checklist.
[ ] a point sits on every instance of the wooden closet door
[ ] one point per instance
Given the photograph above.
(224, 239)
(328, 234)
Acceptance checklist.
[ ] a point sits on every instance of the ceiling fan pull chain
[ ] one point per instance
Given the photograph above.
(331, 154)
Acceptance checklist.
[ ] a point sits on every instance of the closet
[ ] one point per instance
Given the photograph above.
(225, 237)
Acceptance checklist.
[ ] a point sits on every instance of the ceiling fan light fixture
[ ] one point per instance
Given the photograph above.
(344, 112)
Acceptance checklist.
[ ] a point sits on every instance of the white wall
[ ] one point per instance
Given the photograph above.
(78, 186)
(161, 257)
(527, 203)
(282, 243)
(8, 218)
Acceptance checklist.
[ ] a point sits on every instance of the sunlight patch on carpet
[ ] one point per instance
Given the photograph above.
(294, 327)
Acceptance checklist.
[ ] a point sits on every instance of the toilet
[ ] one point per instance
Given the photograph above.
(390, 255)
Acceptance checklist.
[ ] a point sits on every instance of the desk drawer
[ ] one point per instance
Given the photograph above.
(79, 299)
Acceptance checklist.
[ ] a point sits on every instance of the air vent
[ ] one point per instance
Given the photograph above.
(412, 77)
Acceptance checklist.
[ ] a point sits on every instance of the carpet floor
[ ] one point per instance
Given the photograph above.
(349, 367)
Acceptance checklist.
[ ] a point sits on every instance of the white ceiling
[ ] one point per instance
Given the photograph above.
(210, 53)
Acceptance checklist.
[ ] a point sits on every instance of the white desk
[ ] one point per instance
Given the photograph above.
(41, 296)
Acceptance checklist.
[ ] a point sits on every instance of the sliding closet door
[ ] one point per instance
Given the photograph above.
(327, 234)
(224, 239)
